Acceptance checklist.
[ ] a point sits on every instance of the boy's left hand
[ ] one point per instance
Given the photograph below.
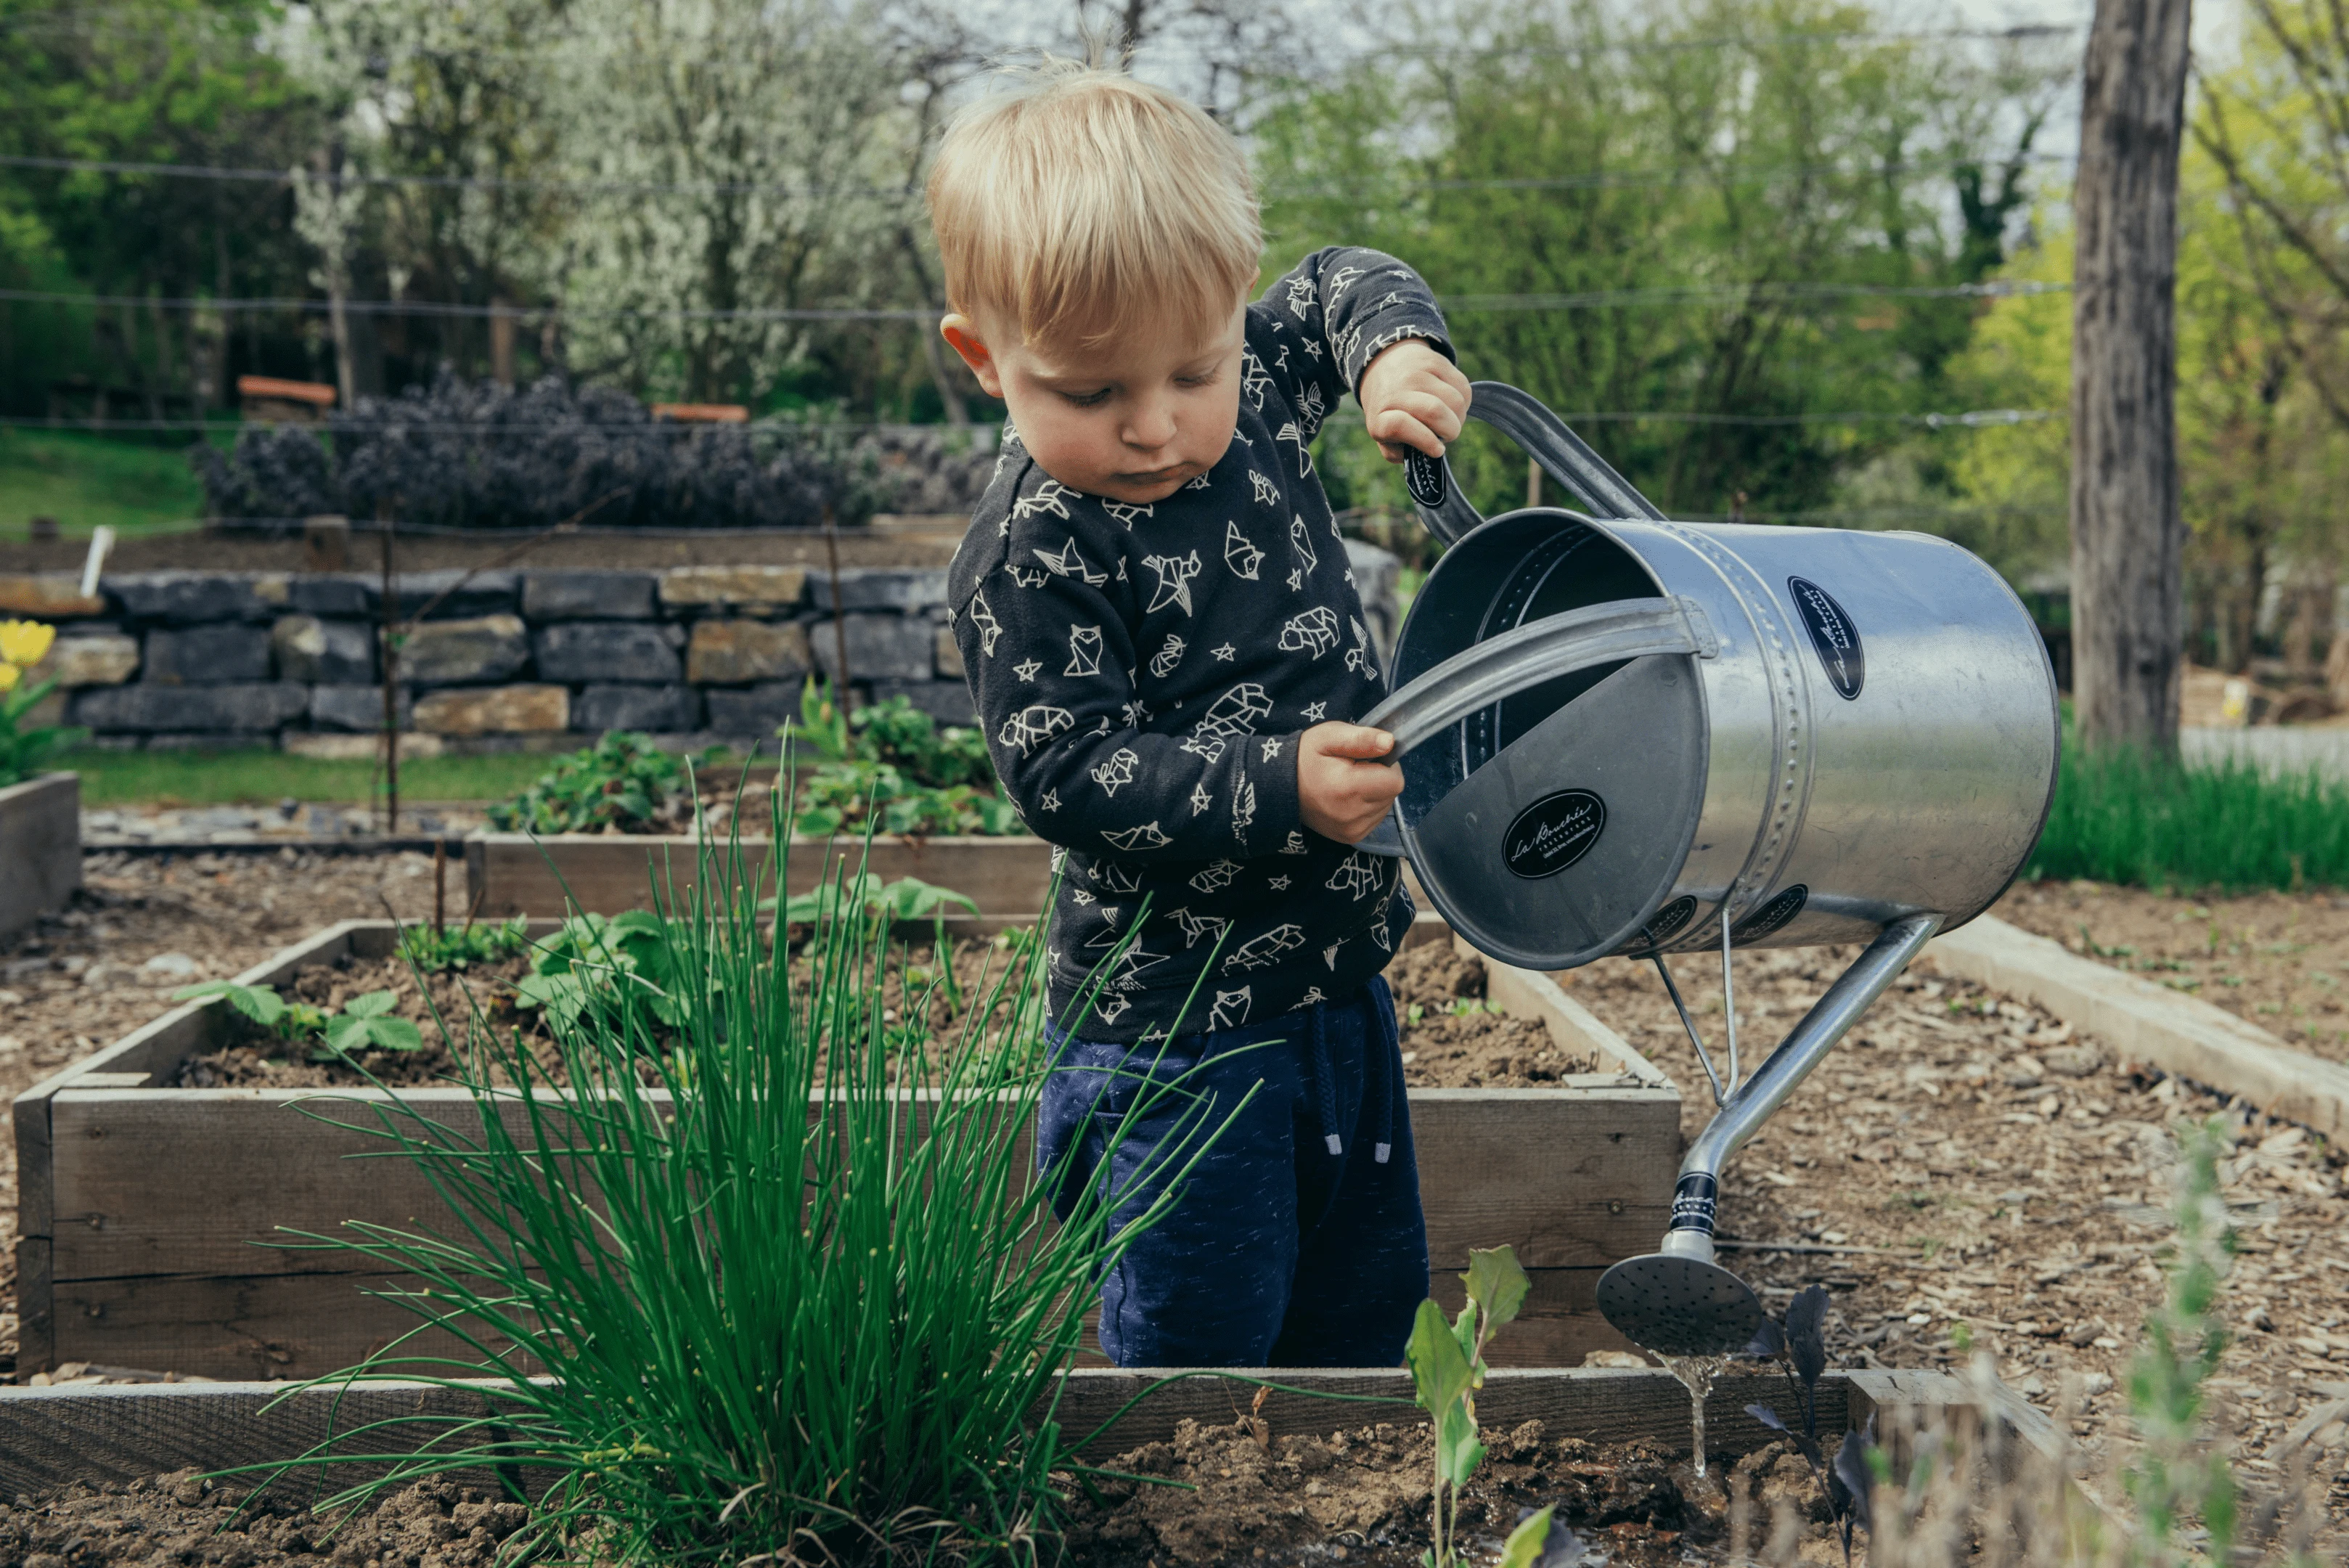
(1412, 398)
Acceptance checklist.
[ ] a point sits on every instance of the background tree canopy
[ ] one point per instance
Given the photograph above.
(1761, 252)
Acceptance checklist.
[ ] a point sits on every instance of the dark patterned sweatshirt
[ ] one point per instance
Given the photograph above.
(1143, 674)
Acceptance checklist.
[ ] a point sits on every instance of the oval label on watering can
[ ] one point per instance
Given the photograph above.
(1772, 916)
(1832, 634)
(1553, 833)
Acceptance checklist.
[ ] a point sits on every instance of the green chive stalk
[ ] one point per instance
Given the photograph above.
(755, 1288)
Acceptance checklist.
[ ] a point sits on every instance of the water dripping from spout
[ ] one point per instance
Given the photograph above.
(1695, 1374)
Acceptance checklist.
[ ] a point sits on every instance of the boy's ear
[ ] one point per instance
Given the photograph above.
(962, 333)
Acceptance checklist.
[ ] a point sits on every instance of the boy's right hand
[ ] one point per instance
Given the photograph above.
(1342, 787)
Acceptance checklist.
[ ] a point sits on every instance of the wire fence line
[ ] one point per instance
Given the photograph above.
(1971, 418)
(1592, 299)
(1650, 179)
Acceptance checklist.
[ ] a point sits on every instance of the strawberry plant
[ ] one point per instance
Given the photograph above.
(366, 1024)
(889, 766)
(622, 783)
(618, 964)
(1447, 1366)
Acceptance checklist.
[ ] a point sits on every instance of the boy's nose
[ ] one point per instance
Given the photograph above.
(1150, 428)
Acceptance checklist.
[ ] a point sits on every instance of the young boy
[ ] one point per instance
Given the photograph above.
(1165, 644)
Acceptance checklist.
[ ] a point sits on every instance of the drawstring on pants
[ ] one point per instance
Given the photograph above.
(1324, 1091)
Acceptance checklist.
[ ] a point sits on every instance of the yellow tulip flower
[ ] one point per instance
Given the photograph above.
(9, 675)
(23, 641)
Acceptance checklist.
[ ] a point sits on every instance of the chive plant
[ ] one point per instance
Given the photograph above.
(755, 1288)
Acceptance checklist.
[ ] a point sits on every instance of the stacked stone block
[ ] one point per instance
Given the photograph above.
(510, 659)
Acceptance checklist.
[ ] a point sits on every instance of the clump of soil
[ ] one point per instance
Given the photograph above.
(1363, 1495)
(182, 1518)
(1454, 1043)
(1443, 1048)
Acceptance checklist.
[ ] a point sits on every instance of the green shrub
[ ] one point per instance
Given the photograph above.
(2123, 816)
(827, 1337)
(623, 782)
(890, 765)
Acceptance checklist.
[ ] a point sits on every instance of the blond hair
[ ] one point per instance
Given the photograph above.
(1086, 204)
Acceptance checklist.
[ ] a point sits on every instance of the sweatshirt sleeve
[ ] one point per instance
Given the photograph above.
(1334, 313)
(1046, 648)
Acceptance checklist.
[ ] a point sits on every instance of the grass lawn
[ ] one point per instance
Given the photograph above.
(83, 480)
(2122, 816)
(263, 777)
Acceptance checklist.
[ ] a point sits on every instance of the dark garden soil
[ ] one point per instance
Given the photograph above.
(2277, 960)
(1966, 1174)
(1359, 1495)
(182, 1518)
(422, 553)
(1467, 1048)
(1363, 1496)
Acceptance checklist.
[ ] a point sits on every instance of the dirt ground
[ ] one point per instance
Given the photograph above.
(2276, 959)
(1961, 1172)
(1964, 1172)
(629, 550)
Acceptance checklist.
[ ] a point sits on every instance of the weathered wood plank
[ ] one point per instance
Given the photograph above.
(202, 1182)
(513, 874)
(260, 1326)
(40, 848)
(1559, 1325)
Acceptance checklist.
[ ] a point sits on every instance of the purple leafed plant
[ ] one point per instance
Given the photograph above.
(1799, 1346)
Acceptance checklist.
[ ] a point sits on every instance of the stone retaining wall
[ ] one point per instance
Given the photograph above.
(506, 661)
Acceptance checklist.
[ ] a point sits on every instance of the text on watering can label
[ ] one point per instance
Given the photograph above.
(1833, 634)
(1553, 833)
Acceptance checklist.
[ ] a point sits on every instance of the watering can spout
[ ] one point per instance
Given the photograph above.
(1677, 1300)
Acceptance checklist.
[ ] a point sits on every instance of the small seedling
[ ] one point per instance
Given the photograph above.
(1447, 1366)
(460, 947)
(1799, 1346)
(365, 1025)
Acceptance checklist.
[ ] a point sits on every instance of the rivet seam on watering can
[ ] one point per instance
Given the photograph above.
(1792, 786)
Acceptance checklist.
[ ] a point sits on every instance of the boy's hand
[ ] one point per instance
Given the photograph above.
(1412, 398)
(1342, 791)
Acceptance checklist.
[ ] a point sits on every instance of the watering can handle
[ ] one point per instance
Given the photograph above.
(1563, 455)
(1485, 672)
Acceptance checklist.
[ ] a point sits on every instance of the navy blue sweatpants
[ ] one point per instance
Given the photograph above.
(1296, 1239)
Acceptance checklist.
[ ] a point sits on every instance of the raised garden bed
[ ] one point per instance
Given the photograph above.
(1609, 1447)
(40, 848)
(146, 1213)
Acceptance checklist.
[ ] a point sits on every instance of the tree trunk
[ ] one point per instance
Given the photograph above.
(2127, 536)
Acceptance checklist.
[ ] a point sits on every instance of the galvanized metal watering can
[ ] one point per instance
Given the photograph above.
(1622, 734)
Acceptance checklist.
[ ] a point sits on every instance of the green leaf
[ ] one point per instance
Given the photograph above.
(1496, 1283)
(1438, 1371)
(345, 1032)
(374, 1005)
(1457, 1451)
(1523, 1548)
(259, 1002)
(394, 1034)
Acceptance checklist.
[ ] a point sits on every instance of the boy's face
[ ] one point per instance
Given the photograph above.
(1133, 421)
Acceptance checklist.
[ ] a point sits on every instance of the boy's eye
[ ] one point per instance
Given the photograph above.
(1204, 378)
(1087, 399)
